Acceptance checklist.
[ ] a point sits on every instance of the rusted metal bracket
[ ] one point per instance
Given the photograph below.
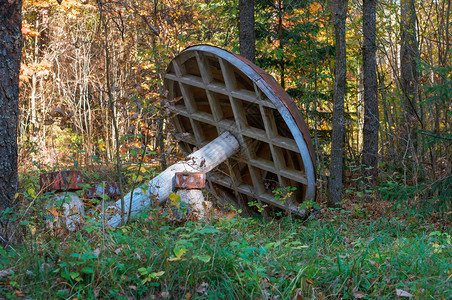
(190, 185)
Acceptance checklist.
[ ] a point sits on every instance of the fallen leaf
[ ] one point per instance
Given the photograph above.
(54, 211)
(374, 263)
(358, 294)
(96, 252)
(6, 273)
(402, 293)
(187, 296)
(18, 293)
(230, 215)
(202, 288)
(299, 295)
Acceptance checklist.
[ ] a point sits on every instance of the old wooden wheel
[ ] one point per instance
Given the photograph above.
(214, 91)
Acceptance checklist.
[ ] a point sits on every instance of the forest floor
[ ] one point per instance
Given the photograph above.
(362, 250)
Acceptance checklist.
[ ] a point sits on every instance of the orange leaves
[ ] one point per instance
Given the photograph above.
(27, 32)
(40, 69)
(315, 8)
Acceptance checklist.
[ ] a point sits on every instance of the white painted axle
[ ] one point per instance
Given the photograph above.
(160, 188)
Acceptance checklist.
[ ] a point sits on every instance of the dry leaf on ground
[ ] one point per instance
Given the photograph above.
(402, 293)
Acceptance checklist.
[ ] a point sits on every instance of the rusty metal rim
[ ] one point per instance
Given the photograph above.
(282, 101)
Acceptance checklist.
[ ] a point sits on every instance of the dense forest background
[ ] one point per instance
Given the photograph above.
(74, 100)
(92, 100)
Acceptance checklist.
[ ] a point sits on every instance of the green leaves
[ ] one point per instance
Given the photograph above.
(203, 258)
(75, 276)
(87, 270)
(150, 276)
(178, 252)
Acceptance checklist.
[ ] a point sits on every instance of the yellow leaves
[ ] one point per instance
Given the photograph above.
(31, 192)
(437, 248)
(144, 66)
(149, 275)
(175, 199)
(54, 211)
(15, 197)
(158, 274)
(178, 252)
(203, 258)
(36, 4)
(145, 86)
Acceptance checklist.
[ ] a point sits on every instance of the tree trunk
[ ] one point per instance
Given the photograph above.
(339, 14)
(246, 35)
(10, 55)
(371, 121)
(408, 74)
(160, 188)
(282, 66)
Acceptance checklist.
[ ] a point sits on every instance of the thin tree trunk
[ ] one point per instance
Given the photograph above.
(371, 120)
(10, 55)
(115, 130)
(339, 13)
(282, 66)
(246, 35)
(160, 139)
(408, 74)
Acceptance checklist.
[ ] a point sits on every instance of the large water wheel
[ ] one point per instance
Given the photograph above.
(216, 91)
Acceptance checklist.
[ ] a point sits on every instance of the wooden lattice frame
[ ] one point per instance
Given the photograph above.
(214, 91)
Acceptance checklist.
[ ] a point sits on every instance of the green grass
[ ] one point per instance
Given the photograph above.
(237, 258)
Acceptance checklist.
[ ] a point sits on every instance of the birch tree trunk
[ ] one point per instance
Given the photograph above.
(339, 13)
(371, 121)
(10, 55)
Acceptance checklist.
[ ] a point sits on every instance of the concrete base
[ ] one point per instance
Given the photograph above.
(194, 200)
(65, 210)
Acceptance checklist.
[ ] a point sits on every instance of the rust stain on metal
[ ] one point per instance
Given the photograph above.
(60, 181)
(190, 180)
(111, 189)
